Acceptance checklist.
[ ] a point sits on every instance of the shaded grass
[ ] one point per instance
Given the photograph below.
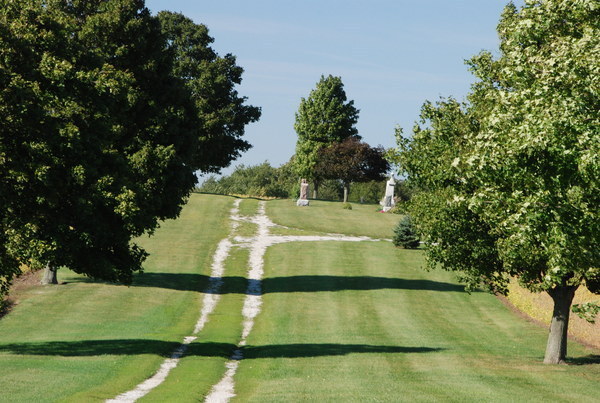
(309, 283)
(433, 343)
(329, 217)
(90, 348)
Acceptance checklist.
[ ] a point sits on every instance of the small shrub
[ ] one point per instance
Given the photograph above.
(405, 235)
(347, 206)
(399, 208)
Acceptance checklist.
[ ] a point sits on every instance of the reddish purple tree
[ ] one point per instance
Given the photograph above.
(351, 161)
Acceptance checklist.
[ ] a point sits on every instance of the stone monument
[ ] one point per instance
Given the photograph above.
(388, 200)
(303, 200)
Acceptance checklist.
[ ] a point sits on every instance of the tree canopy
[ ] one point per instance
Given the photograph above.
(101, 131)
(510, 180)
(351, 160)
(211, 80)
(323, 118)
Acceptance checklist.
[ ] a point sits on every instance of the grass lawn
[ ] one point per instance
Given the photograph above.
(85, 340)
(330, 217)
(540, 305)
(361, 322)
(204, 363)
(340, 321)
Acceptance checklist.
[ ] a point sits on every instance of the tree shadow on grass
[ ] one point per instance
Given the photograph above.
(325, 349)
(587, 360)
(313, 283)
(357, 283)
(89, 348)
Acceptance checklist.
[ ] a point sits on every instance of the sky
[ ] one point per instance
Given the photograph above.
(392, 56)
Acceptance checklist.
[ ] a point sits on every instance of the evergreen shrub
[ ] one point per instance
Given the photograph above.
(405, 235)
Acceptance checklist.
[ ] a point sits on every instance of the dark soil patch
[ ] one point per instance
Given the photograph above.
(5, 307)
(21, 284)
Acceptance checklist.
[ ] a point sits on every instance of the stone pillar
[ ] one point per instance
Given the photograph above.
(304, 190)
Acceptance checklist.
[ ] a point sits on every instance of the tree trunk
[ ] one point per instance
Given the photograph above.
(49, 276)
(315, 189)
(346, 191)
(556, 349)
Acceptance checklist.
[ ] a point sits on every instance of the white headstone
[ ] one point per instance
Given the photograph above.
(388, 200)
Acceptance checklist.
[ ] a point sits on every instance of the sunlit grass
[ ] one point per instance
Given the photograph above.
(248, 207)
(204, 363)
(340, 321)
(118, 334)
(539, 306)
(245, 229)
(362, 322)
(330, 217)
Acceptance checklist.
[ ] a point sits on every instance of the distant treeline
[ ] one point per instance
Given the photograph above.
(263, 180)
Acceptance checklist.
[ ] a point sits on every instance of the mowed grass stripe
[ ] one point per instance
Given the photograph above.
(364, 322)
(321, 332)
(86, 341)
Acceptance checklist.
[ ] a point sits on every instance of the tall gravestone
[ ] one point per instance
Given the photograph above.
(303, 200)
(388, 200)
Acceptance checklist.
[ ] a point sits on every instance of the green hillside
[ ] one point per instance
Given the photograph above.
(339, 321)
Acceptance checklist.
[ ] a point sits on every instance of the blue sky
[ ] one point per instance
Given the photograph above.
(392, 55)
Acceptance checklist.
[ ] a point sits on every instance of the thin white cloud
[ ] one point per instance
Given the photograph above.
(301, 72)
(248, 26)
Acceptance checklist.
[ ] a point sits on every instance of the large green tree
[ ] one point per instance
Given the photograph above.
(325, 117)
(100, 133)
(211, 80)
(510, 182)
